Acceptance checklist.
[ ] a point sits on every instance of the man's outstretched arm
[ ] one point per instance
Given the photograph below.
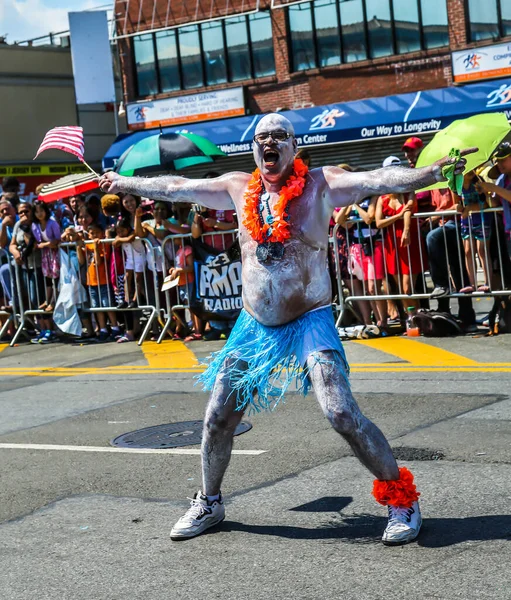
(212, 193)
(347, 188)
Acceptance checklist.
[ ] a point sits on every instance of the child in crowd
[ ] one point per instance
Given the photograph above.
(116, 267)
(156, 230)
(183, 269)
(96, 256)
(366, 252)
(475, 231)
(134, 251)
(47, 236)
(405, 255)
(111, 209)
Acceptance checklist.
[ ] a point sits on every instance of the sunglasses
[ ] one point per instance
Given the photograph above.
(279, 136)
(23, 212)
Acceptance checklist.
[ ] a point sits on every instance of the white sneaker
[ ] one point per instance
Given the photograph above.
(201, 515)
(404, 525)
(354, 332)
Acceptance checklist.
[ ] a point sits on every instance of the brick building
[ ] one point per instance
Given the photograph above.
(294, 55)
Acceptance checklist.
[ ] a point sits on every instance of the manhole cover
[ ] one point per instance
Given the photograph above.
(407, 453)
(171, 435)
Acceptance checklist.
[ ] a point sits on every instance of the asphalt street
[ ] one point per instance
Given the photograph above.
(78, 521)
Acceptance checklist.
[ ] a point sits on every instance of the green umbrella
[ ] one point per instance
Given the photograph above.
(484, 131)
(167, 151)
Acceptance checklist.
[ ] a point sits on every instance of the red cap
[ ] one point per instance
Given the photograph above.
(413, 143)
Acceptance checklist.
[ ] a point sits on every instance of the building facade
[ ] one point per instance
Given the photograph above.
(293, 55)
(37, 94)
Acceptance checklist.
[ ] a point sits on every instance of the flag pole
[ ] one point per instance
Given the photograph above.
(91, 169)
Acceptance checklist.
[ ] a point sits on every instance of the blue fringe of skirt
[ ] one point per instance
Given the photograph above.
(264, 362)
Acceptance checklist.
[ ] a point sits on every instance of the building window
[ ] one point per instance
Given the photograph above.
(354, 41)
(261, 42)
(434, 23)
(216, 52)
(331, 32)
(191, 57)
(489, 20)
(302, 36)
(145, 63)
(168, 63)
(379, 28)
(406, 26)
(236, 33)
(326, 19)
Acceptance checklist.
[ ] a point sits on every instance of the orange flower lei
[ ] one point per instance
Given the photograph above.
(280, 226)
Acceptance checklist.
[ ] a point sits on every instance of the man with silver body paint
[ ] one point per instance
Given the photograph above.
(278, 293)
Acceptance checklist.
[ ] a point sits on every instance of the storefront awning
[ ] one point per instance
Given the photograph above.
(400, 115)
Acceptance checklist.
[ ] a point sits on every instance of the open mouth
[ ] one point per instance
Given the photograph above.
(270, 157)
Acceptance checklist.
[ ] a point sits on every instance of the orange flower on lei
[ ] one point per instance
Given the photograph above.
(280, 226)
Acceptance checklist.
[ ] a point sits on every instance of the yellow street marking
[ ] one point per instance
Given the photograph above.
(169, 354)
(355, 368)
(417, 353)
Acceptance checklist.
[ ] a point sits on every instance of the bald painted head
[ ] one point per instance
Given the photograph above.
(274, 146)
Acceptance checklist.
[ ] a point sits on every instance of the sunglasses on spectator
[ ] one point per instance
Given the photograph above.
(279, 136)
(24, 212)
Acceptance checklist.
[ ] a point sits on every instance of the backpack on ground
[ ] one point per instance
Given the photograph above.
(432, 323)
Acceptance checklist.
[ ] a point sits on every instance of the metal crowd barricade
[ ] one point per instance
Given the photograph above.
(390, 288)
(177, 299)
(33, 293)
(30, 285)
(9, 315)
(146, 285)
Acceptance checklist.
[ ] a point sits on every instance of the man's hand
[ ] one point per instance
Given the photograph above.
(484, 187)
(9, 221)
(110, 182)
(459, 165)
(209, 222)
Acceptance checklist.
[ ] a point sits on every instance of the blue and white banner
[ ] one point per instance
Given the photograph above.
(404, 114)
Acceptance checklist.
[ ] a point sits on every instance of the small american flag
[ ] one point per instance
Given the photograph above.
(69, 139)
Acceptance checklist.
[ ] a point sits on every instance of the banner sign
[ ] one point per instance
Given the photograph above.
(91, 55)
(217, 285)
(41, 170)
(186, 109)
(400, 115)
(487, 62)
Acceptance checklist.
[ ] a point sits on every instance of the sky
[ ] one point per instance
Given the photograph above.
(26, 19)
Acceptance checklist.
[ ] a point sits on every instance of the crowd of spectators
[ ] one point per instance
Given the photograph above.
(386, 245)
(115, 244)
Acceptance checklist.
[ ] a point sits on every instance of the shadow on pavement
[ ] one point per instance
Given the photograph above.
(363, 529)
(325, 504)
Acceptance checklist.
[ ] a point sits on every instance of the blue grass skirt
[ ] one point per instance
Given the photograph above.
(264, 362)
